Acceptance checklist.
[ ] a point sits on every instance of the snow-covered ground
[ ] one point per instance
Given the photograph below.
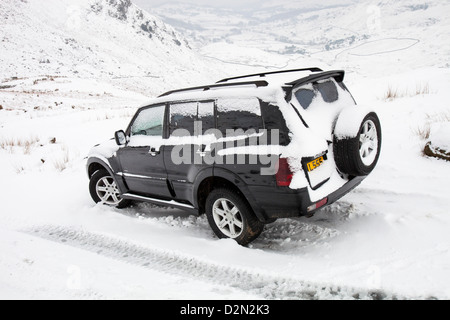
(387, 239)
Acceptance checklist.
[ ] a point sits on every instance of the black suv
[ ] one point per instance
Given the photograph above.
(245, 150)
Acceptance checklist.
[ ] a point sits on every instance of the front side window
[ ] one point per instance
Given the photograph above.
(149, 122)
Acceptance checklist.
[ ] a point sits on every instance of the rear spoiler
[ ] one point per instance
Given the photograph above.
(338, 75)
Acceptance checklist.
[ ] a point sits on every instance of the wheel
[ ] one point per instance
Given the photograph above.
(230, 216)
(103, 189)
(358, 156)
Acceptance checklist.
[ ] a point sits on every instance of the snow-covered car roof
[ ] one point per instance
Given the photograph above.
(261, 85)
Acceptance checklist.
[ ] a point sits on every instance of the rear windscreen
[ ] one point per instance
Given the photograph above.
(326, 90)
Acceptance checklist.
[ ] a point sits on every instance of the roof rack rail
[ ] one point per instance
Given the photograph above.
(206, 88)
(263, 74)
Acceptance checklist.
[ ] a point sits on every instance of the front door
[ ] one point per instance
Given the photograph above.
(142, 159)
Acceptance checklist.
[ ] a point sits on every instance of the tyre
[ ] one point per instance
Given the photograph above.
(358, 156)
(103, 189)
(230, 216)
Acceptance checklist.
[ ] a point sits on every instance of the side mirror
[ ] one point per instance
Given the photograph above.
(121, 138)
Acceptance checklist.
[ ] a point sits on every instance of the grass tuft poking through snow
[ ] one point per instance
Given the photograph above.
(33, 153)
(62, 162)
(430, 130)
(25, 143)
(439, 117)
(424, 132)
(422, 88)
(393, 93)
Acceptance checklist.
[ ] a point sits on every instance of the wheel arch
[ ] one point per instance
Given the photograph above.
(223, 179)
(94, 164)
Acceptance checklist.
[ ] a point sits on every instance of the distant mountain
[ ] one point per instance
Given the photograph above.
(144, 23)
(383, 35)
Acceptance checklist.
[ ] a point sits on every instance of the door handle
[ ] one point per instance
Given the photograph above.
(153, 152)
(201, 151)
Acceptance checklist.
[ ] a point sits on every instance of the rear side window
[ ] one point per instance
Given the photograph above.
(191, 118)
(274, 120)
(234, 114)
(206, 116)
(305, 97)
(183, 116)
(149, 122)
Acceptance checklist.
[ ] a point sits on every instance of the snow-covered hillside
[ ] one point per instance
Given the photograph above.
(107, 40)
(73, 72)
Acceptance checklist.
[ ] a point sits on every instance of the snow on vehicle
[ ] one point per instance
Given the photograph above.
(246, 150)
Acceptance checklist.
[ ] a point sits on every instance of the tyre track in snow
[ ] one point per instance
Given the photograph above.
(264, 285)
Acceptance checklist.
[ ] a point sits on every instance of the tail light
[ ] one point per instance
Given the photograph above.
(284, 174)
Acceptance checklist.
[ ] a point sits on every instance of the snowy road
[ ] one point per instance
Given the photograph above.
(347, 251)
(259, 284)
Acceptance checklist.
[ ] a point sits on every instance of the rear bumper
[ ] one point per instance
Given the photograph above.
(346, 188)
(282, 202)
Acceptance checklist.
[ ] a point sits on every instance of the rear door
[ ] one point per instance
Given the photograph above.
(142, 159)
(241, 125)
(185, 151)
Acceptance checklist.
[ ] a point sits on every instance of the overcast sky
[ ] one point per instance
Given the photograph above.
(212, 3)
(247, 4)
